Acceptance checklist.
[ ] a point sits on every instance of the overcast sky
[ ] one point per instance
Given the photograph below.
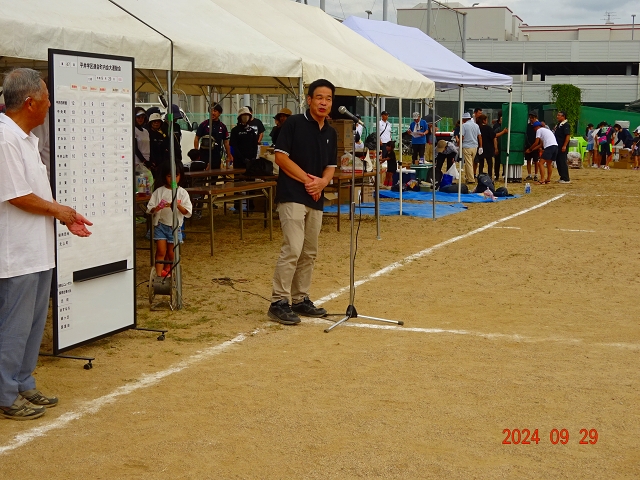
(533, 12)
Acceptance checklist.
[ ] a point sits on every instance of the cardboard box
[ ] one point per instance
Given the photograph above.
(266, 150)
(622, 164)
(364, 194)
(625, 154)
(344, 129)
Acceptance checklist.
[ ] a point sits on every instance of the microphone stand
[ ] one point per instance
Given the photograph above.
(351, 309)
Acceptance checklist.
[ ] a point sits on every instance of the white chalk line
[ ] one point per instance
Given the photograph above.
(508, 228)
(571, 230)
(430, 250)
(503, 336)
(93, 406)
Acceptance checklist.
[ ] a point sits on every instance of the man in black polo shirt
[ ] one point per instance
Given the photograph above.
(306, 152)
(562, 132)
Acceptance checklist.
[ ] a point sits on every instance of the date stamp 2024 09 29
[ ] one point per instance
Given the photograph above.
(525, 436)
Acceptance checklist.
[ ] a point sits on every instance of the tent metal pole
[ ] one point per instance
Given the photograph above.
(460, 156)
(176, 268)
(400, 149)
(506, 165)
(433, 162)
(174, 187)
(301, 108)
(210, 94)
(377, 182)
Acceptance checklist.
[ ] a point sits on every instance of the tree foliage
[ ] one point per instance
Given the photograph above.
(568, 98)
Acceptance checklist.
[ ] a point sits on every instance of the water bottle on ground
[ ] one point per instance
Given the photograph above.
(527, 187)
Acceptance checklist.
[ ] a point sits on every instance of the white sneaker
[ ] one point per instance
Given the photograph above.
(564, 181)
(606, 167)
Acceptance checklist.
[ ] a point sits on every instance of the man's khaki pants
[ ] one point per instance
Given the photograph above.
(469, 155)
(300, 230)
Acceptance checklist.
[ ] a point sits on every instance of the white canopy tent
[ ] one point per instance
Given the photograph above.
(221, 43)
(427, 56)
(330, 50)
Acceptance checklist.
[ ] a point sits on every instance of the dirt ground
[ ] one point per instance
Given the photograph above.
(532, 324)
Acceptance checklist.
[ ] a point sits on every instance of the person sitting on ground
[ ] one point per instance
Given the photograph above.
(389, 156)
(546, 140)
(160, 206)
(280, 118)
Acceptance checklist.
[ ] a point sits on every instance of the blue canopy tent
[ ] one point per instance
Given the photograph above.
(428, 57)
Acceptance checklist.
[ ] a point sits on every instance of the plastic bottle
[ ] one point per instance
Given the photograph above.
(527, 187)
(229, 163)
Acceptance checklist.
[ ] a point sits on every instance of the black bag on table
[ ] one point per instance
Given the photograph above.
(259, 167)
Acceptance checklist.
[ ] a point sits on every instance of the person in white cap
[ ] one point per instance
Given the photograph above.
(471, 145)
(244, 139)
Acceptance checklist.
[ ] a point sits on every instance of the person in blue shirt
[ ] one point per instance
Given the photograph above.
(418, 131)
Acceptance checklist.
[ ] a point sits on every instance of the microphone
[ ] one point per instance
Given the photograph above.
(343, 110)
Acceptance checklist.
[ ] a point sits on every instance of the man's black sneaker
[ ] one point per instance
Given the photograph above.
(280, 311)
(308, 309)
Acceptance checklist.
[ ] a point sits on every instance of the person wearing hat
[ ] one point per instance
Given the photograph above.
(244, 139)
(142, 144)
(210, 144)
(418, 131)
(256, 124)
(158, 143)
(533, 157)
(279, 118)
(562, 131)
(444, 151)
(545, 140)
(471, 145)
(385, 130)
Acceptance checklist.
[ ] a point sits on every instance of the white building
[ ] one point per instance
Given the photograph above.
(602, 60)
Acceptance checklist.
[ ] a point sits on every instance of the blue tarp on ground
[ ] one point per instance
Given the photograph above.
(423, 210)
(440, 197)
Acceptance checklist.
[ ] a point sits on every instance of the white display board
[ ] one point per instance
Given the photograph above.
(91, 132)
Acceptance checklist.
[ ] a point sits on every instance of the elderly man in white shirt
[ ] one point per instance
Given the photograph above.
(27, 242)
